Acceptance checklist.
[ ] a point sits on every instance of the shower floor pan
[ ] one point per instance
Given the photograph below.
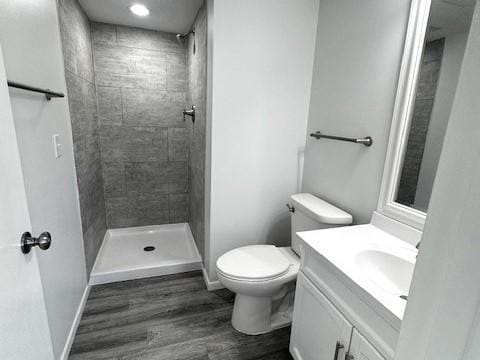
(147, 251)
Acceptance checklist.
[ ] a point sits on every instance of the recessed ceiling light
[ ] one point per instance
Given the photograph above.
(139, 10)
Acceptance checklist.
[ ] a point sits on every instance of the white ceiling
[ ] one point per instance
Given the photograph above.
(175, 16)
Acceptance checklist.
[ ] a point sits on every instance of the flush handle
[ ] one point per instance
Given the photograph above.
(27, 241)
(291, 208)
(338, 347)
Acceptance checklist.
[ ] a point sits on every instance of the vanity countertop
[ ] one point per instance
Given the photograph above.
(379, 264)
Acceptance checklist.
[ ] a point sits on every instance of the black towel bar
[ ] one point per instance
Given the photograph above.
(367, 141)
(48, 93)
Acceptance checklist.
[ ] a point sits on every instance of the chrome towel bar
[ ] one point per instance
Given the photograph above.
(47, 92)
(367, 141)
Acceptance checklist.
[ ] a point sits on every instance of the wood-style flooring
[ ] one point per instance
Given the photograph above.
(168, 318)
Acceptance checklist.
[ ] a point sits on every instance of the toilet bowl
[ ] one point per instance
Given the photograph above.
(263, 276)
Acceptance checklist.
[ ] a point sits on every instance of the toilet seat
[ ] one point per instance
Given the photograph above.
(253, 263)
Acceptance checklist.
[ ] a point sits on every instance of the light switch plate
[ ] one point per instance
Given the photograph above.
(57, 147)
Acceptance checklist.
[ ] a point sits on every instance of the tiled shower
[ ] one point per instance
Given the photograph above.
(141, 79)
(138, 162)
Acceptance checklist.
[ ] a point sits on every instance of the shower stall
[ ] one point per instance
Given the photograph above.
(140, 159)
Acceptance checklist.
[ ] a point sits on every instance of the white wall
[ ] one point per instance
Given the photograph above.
(208, 133)
(357, 62)
(29, 33)
(453, 50)
(22, 307)
(261, 68)
(443, 306)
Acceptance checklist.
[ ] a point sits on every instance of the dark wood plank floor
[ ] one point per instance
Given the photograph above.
(170, 317)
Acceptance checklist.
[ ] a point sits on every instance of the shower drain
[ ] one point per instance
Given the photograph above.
(149, 248)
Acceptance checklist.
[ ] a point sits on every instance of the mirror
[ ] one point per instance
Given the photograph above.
(445, 40)
(430, 70)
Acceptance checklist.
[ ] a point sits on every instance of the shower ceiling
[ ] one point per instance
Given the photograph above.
(175, 16)
(449, 17)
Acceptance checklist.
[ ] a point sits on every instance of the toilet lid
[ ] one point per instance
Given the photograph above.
(254, 263)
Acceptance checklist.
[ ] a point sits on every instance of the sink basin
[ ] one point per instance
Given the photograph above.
(391, 272)
(377, 266)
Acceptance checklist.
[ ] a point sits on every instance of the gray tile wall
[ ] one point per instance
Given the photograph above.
(197, 90)
(422, 111)
(76, 41)
(141, 79)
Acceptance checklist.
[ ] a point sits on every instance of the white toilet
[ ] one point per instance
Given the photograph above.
(263, 276)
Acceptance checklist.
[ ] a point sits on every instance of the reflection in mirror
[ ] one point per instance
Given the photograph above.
(445, 40)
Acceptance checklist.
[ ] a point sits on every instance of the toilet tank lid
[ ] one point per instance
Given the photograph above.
(320, 210)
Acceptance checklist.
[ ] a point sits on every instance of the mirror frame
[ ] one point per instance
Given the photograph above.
(404, 102)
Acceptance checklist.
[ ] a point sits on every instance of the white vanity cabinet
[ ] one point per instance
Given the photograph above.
(342, 287)
(321, 332)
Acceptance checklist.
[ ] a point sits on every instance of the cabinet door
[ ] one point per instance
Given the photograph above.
(319, 331)
(360, 349)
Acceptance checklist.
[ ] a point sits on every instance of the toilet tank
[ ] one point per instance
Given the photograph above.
(312, 213)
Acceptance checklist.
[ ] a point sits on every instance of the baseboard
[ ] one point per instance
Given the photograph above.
(211, 285)
(76, 322)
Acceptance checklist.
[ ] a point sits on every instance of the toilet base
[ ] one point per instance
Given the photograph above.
(260, 315)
